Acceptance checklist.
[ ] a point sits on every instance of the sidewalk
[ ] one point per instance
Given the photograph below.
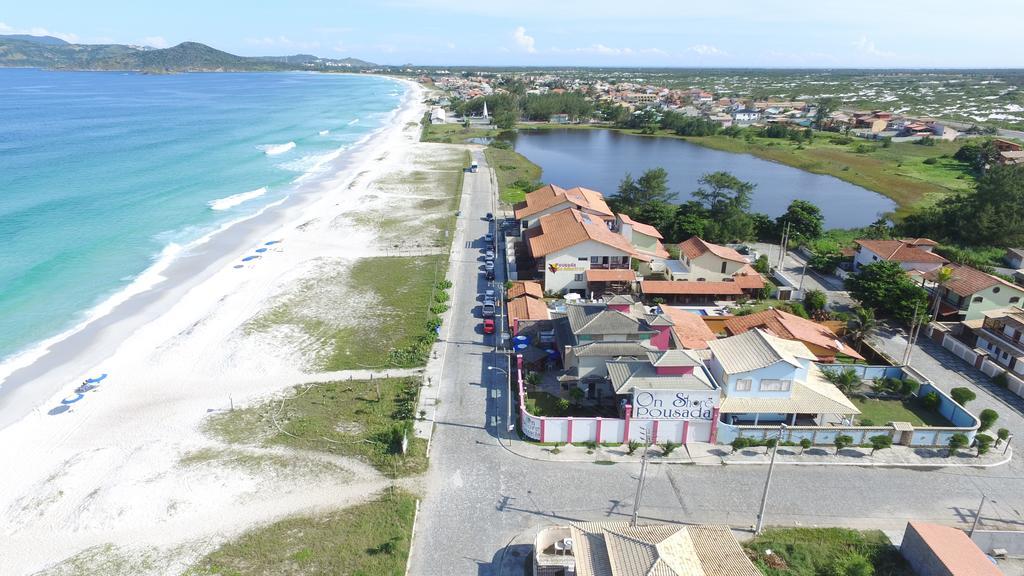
(717, 455)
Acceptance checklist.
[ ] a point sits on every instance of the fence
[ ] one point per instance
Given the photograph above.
(989, 367)
(866, 371)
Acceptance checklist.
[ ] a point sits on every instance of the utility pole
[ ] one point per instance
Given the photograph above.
(977, 517)
(768, 483)
(640, 481)
(910, 338)
(802, 274)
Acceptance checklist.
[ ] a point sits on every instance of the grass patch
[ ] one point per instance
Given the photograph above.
(452, 133)
(814, 551)
(516, 174)
(341, 418)
(882, 412)
(543, 404)
(371, 538)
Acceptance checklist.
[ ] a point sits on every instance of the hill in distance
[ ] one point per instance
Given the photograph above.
(23, 51)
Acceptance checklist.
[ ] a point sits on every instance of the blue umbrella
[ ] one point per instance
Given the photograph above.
(99, 378)
(261, 249)
(272, 242)
(248, 258)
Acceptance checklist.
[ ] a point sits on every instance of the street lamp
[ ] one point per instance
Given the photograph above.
(508, 414)
(768, 481)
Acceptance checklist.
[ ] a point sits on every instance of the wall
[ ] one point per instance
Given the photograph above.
(920, 556)
(1011, 541)
(570, 257)
(711, 265)
(993, 297)
(866, 371)
(779, 370)
(1014, 383)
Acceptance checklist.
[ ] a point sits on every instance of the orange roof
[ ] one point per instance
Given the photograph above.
(790, 327)
(571, 227)
(954, 549)
(550, 196)
(645, 229)
(526, 308)
(967, 281)
(525, 288)
(696, 247)
(919, 241)
(598, 275)
(690, 330)
(899, 251)
(673, 287)
(748, 278)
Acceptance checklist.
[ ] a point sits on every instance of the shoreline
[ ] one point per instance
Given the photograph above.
(64, 359)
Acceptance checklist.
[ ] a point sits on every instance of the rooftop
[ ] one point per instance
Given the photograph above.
(596, 319)
(790, 327)
(627, 375)
(689, 329)
(525, 288)
(696, 247)
(611, 349)
(967, 281)
(688, 287)
(816, 395)
(527, 308)
(550, 196)
(645, 229)
(600, 275)
(570, 227)
(757, 349)
(954, 549)
(900, 251)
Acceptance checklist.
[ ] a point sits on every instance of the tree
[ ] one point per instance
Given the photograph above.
(505, 119)
(847, 380)
(962, 395)
(825, 107)
(770, 443)
(988, 417)
(956, 442)
(577, 395)
(761, 264)
(880, 442)
(930, 401)
(842, 441)
(805, 443)
(652, 186)
(885, 286)
(1002, 434)
(804, 219)
(726, 200)
(942, 277)
(860, 326)
(815, 301)
(983, 442)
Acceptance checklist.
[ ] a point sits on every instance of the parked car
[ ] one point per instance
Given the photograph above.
(489, 254)
(490, 274)
(489, 265)
(488, 308)
(489, 294)
(489, 217)
(489, 238)
(488, 326)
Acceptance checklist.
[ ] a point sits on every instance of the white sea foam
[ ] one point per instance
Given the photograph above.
(353, 121)
(236, 199)
(312, 163)
(324, 132)
(275, 149)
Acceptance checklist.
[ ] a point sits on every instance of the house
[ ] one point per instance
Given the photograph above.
(688, 329)
(705, 273)
(690, 292)
(645, 238)
(437, 115)
(564, 245)
(601, 281)
(911, 254)
(819, 339)
(970, 292)
(525, 288)
(1000, 334)
(745, 116)
(526, 308)
(619, 549)
(698, 258)
(551, 199)
(764, 378)
(934, 550)
(1014, 258)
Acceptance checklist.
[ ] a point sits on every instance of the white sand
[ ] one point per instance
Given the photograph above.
(108, 470)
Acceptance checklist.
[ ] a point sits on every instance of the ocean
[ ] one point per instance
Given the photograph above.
(105, 177)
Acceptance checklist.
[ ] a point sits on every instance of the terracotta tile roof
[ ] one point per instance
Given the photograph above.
(525, 288)
(967, 281)
(898, 251)
(954, 549)
(570, 227)
(690, 330)
(696, 246)
(919, 241)
(748, 278)
(551, 195)
(527, 308)
(598, 275)
(685, 287)
(645, 229)
(790, 327)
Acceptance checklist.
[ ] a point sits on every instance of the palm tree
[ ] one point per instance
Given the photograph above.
(942, 276)
(861, 325)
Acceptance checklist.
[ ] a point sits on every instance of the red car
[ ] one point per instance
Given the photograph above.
(488, 326)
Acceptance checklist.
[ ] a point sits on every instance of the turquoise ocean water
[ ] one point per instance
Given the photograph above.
(105, 174)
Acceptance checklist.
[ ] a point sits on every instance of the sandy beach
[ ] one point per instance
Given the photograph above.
(104, 468)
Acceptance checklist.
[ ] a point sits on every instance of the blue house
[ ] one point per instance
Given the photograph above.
(766, 379)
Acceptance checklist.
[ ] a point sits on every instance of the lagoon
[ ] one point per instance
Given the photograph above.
(598, 159)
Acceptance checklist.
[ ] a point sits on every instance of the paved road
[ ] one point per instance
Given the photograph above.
(793, 267)
(483, 503)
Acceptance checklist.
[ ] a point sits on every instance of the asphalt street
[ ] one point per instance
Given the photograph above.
(483, 504)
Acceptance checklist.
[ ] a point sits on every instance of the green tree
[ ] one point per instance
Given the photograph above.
(761, 264)
(505, 119)
(885, 286)
(942, 277)
(726, 200)
(847, 379)
(962, 395)
(956, 442)
(861, 325)
(988, 417)
(804, 219)
(826, 106)
(880, 442)
(576, 395)
(1002, 434)
(930, 401)
(815, 301)
(842, 441)
(805, 443)
(983, 442)
(651, 187)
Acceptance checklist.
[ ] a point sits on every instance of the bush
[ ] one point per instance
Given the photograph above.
(633, 446)
(1001, 380)
(867, 422)
(853, 565)
(880, 442)
(815, 301)
(962, 395)
(805, 443)
(1002, 434)
(988, 417)
(908, 386)
(843, 441)
(563, 406)
(931, 160)
(739, 443)
(983, 442)
(796, 309)
(930, 401)
(956, 442)
(668, 447)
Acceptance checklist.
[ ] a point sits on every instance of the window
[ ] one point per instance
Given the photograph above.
(771, 385)
(743, 385)
(595, 259)
(874, 257)
(977, 299)
(579, 278)
(582, 258)
(1014, 299)
(995, 290)
(724, 264)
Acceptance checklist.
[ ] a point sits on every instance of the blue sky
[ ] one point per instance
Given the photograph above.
(869, 33)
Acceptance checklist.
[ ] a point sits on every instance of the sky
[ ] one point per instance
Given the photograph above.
(673, 33)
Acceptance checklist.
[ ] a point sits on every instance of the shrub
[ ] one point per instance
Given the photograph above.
(761, 264)
(930, 401)
(962, 395)
(1001, 380)
(956, 442)
(852, 565)
(444, 284)
(867, 422)
(815, 301)
(988, 417)
(983, 442)
(562, 405)
(633, 446)
(805, 443)
(880, 442)
(863, 148)
(770, 443)
(739, 443)
(843, 441)
(797, 309)
(1002, 434)
(908, 386)
(931, 160)
(668, 447)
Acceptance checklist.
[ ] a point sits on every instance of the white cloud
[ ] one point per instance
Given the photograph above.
(37, 31)
(450, 45)
(865, 45)
(155, 41)
(706, 50)
(524, 41)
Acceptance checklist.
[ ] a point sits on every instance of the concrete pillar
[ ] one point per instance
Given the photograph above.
(654, 432)
(568, 434)
(757, 418)
(714, 424)
(625, 430)
(686, 432)
(598, 431)
(543, 421)
(792, 421)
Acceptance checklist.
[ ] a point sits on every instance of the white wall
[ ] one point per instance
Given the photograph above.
(863, 257)
(570, 259)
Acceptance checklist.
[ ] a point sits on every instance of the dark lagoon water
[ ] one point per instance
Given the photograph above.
(598, 159)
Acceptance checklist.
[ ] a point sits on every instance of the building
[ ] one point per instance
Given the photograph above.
(999, 333)
(689, 329)
(437, 115)
(745, 116)
(764, 378)
(970, 292)
(911, 254)
(705, 273)
(525, 288)
(566, 244)
(701, 260)
(618, 549)
(645, 238)
(934, 550)
(551, 199)
(819, 339)
(592, 333)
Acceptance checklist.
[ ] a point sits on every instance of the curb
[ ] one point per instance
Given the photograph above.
(412, 537)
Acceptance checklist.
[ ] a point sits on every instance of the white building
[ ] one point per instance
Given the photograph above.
(551, 199)
(912, 254)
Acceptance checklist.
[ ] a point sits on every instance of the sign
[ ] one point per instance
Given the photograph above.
(674, 405)
(531, 426)
(556, 267)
